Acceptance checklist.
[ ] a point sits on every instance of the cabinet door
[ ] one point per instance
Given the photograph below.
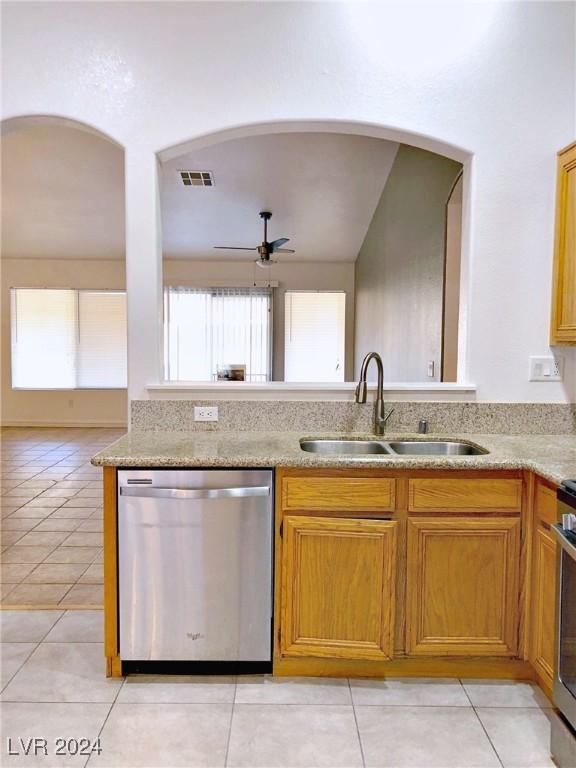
(563, 326)
(462, 587)
(338, 586)
(543, 630)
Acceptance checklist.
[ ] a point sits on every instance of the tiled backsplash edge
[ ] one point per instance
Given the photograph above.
(344, 416)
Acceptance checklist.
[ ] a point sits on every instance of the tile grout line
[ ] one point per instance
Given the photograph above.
(112, 705)
(481, 724)
(356, 722)
(231, 719)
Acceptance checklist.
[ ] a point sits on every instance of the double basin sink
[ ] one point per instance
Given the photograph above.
(351, 447)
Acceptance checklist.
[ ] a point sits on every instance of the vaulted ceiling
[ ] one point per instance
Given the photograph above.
(63, 195)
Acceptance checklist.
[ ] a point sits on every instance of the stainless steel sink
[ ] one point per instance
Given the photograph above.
(347, 447)
(435, 448)
(344, 447)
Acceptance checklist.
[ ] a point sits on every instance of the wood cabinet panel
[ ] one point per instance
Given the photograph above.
(543, 630)
(463, 586)
(546, 505)
(563, 322)
(337, 590)
(348, 494)
(451, 495)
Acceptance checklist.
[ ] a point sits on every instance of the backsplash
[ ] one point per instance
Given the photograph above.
(310, 417)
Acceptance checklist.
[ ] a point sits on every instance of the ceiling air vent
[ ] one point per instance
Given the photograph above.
(197, 178)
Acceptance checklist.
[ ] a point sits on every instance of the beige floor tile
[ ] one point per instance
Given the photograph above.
(78, 627)
(272, 735)
(92, 526)
(65, 672)
(83, 539)
(504, 693)
(59, 493)
(5, 590)
(90, 493)
(26, 626)
(74, 555)
(42, 538)
(521, 736)
(414, 737)
(14, 573)
(37, 594)
(57, 524)
(72, 512)
(50, 721)
(37, 512)
(138, 735)
(55, 573)
(12, 656)
(292, 690)
(84, 594)
(420, 692)
(47, 501)
(18, 554)
(93, 575)
(77, 501)
(181, 690)
(10, 537)
(19, 524)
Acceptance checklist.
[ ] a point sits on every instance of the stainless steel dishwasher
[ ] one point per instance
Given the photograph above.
(195, 566)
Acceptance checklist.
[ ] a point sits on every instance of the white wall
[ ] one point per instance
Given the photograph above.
(399, 274)
(74, 407)
(493, 79)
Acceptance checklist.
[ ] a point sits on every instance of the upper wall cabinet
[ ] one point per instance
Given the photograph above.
(563, 326)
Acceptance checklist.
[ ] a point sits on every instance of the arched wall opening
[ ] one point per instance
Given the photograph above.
(170, 156)
(63, 262)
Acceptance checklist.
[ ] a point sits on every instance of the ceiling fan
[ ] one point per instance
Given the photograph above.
(265, 249)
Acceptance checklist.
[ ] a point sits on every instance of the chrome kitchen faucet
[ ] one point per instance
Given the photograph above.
(380, 416)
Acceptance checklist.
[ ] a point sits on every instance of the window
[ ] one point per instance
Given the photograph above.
(67, 339)
(208, 329)
(314, 336)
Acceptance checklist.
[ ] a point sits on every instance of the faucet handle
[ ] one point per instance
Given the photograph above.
(387, 416)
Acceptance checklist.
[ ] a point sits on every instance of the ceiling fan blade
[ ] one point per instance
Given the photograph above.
(284, 250)
(233, 248)
(275, 244)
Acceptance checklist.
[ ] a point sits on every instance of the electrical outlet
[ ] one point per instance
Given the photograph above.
(548, 368)
(205, 413)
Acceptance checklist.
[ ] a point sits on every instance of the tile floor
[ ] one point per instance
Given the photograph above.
(53, 687)
(51, 502)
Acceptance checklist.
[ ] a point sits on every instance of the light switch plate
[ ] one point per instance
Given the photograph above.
(205, 413)
(546, 368)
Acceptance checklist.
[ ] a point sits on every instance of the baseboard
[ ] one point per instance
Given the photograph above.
(63, 424)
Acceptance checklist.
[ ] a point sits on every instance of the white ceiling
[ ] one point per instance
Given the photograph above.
(322, 190)
(62, 194)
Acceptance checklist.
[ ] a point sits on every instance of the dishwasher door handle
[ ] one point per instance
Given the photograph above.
(195, 493)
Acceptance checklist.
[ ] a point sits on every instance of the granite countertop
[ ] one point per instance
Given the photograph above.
(551, 456)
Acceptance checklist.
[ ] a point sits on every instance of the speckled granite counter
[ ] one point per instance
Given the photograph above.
(551, 456)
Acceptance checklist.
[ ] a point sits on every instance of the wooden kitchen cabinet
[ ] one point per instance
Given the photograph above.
(542, 631)
(337, 587)
(463, 586)
(563, 322)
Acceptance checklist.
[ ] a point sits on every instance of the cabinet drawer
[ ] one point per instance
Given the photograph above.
(464, 495)
(347, 494)
(546, 505)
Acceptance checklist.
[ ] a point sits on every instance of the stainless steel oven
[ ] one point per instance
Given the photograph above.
(563, 745)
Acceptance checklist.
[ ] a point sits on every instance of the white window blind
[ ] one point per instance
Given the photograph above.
(67, 339)
(208, 328)
(314, 336)
(102, 343)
